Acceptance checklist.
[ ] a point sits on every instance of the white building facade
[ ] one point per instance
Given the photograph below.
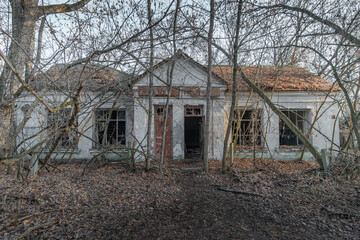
(111, 122)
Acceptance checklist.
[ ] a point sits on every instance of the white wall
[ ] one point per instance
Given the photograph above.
(326, 128)
(88, 102)
(186, 74)
(178, 131)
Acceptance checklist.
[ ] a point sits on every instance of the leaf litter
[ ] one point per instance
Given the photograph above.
(282, 200)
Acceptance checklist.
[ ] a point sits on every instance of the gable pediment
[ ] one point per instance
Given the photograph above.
(186, 73)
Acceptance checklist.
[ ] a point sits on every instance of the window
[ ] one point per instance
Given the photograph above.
(193, 111)
(287, 137)
(160, 111)
(246, 127)
(110, 127)
(57, 123)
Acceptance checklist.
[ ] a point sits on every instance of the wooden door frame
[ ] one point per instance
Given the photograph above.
(157, 106)
(202, 117)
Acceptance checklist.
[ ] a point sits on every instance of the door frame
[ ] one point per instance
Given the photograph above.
(195, 111)
(170, 123)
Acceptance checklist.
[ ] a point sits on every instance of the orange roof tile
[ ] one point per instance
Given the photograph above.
(276, 79)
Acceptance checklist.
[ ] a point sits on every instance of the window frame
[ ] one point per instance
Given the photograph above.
(256, 135)
(305, 113)
(68, 141)
(120, 139)
(193, 111)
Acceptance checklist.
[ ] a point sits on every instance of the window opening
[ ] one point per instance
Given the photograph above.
(160, 111)
(110, 127)
(195, 111)
(246, 127)
(57, 122)
(287, 137)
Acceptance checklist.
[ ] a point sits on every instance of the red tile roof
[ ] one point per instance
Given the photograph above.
(276, 79)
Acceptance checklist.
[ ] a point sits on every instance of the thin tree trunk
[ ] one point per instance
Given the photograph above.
(283, 117)
(71, 122)
(149, 145)
(169, 82)
(208, 89)
(234, 85)
(278, 112)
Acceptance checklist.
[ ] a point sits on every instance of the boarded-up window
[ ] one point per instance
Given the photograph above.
(160, 91)
(143, 91)
(246, 127)
(287, 137)
(192, 91)
(215, 92)
(174, 92)
(110, 127)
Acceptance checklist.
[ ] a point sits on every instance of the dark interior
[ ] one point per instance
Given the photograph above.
(193, 138)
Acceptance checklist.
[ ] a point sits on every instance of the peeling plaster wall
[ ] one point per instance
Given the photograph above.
(325, 129)
(178, 133)
(37, 124)
(186, 74)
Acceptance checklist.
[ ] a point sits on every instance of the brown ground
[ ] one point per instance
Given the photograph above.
(111, 203)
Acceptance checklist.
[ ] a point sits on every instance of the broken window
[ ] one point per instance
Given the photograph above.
(160, 111)
(246, 127)
(192, 111)
(57, 123)
(110, 127)
(287, 137)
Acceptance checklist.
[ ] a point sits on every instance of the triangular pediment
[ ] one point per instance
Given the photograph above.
(187, 73)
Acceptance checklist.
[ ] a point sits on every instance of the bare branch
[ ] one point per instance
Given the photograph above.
(328, 23)
(61, 8)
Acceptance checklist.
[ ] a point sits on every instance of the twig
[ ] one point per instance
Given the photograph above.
(341, 214)
(186, 169)
(26, 217)
(329, 211)
(241, 192)
(24, 235)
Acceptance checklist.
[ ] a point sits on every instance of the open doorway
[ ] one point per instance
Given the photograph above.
(193, 132)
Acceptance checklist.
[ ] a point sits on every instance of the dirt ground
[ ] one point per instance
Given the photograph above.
(274, 200)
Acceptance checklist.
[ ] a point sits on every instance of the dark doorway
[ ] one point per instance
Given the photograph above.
(193, 127)
(193, 137)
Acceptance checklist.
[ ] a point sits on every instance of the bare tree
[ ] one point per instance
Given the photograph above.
(348, 32)
(169, 85)
(151, 69)
(208, 88)
(234, 60)
(25, 14)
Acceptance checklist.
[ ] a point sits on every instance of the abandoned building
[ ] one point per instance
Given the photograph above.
(114, 112)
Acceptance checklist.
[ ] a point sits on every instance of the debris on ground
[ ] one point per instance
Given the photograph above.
(257, 199)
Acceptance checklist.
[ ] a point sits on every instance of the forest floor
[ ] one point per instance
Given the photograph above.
(275, 200)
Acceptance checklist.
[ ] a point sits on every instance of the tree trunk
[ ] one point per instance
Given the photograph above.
(234, 85)
(169, 83)
(149, 145)
(283, 117)
(24, 17)
(21, 50)
(208, 88)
